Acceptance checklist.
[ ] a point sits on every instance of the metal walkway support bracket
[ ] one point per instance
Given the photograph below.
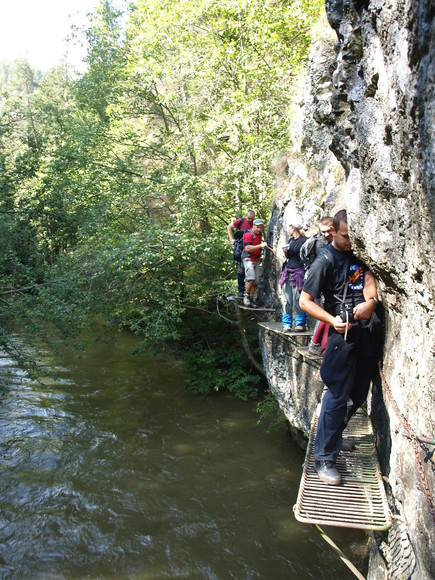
(360, 501)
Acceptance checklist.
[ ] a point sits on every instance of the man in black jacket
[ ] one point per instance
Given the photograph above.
(349, 362)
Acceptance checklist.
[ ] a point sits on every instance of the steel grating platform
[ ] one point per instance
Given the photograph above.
(360, 501)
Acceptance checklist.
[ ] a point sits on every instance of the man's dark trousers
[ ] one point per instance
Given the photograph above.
(241, 282)
(348, 368)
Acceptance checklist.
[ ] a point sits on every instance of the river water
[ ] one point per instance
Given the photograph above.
(114, 470)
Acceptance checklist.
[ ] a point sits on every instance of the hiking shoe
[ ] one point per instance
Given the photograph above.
(240, 294)
(314, 349)
(246, 300)
(253, 303)
(347, 445)
(287, 329)
(300, 328)
(327, 472)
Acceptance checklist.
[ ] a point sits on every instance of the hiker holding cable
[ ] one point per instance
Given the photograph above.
(291, 280)
(252, 248)
(236, 231)
(350, 359)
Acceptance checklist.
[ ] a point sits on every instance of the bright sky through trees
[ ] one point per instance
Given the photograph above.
(36, 30)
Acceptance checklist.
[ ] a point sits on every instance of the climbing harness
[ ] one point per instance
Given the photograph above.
(414, 442)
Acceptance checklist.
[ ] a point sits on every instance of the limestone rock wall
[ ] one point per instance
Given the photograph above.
(363, 133)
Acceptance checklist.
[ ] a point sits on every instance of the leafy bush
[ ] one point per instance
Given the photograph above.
(216, 360)
(270, 413)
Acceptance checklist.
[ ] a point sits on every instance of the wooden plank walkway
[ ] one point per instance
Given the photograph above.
(239, 303)
(360, 501)
(276, 327)
(258, 309)
(303, 350)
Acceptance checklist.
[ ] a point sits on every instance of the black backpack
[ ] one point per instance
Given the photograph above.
(308, 252)
(311, 249)
(238, 244)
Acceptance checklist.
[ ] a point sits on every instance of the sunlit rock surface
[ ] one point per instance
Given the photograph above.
(363, 132)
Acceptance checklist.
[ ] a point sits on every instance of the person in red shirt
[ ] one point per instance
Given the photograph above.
(252, 247)
(240, 224)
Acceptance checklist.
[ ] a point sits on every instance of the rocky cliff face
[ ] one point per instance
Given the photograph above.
(364, 133)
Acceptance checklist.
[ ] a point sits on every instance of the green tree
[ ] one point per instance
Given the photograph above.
(118, 185)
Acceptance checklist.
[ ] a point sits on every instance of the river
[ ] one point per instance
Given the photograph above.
(114, 470)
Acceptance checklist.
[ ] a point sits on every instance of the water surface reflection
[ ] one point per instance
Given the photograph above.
(116, 471)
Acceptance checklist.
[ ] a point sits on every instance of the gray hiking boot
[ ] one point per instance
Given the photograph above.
(314, 349)
(347, 445)
(327, 472)
(300, 328)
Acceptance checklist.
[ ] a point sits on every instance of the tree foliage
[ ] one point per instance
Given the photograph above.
(117, 185)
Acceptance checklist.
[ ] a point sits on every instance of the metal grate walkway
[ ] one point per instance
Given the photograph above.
(360, 501)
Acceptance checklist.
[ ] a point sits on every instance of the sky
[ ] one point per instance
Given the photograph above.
(36, 30)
